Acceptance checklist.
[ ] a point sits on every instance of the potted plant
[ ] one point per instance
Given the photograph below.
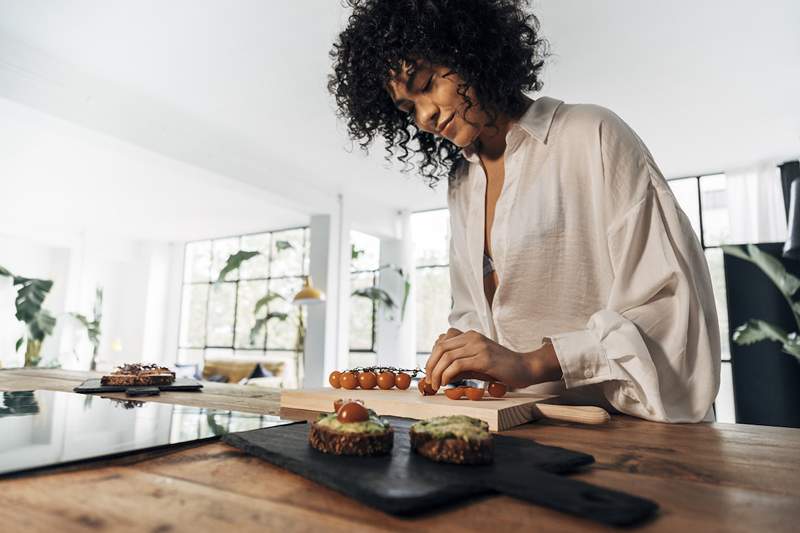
(93, 325)
(39, 322)
(764, 316)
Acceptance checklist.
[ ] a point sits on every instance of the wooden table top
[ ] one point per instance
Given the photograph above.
(705, 477)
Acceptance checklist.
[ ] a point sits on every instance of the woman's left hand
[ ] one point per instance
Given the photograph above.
(458, 355)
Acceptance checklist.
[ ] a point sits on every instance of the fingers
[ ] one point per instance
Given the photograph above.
(428, 365)
(471, 345)
(447, 359)
(458, 369)
(470, 336)
(453, 332)
(437, 352)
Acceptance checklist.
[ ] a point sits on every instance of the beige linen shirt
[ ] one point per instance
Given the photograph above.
(593, 253)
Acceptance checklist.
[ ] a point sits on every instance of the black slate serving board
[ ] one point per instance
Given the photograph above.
(406, 484)
(180, 384)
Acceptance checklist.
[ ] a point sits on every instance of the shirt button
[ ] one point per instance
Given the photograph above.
(588, 373)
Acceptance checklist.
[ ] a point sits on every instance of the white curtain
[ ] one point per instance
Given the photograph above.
(755, 205)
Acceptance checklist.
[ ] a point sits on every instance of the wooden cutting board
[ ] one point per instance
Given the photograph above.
(500, 413)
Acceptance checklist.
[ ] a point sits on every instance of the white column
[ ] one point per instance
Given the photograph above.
(173, 299)
(396, 345)
(341, 356)
(327, 324)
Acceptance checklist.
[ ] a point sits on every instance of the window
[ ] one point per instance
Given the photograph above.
(217, 318)
(431, 230)
(706, 200)
(364, 272)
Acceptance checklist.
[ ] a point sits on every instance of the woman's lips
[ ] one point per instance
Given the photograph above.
(447, 128)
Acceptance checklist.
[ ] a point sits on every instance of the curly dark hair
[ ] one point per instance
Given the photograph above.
(494, 45)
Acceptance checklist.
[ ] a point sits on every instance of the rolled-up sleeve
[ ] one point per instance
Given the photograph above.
(654, 349)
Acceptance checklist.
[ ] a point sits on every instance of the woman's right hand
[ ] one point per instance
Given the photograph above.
(433, 359)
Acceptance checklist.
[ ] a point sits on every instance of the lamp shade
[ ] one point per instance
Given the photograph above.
(791, 249)
(308, 294)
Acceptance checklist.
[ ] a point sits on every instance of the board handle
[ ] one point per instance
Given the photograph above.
(576, 497)
(581, 414)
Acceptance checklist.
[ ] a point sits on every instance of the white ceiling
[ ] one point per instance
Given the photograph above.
(238, 88)
(59, 181)
(709, 85)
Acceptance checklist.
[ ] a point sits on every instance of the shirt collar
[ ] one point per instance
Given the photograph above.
(536, 122)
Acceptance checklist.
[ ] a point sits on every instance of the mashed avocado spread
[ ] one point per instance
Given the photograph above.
(373, 425)
(457, 426)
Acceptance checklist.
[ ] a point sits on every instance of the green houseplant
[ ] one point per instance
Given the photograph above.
(93, 325)
(39, 322)
(233, 262)
(755, 330)
(379, 295)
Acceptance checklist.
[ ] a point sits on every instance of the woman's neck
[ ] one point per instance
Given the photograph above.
(492, 141)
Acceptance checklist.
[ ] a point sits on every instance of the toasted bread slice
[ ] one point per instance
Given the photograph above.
(453, 439)
(337, 443)
(139, 375)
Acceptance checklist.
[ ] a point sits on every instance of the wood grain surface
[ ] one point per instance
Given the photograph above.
(706, 477)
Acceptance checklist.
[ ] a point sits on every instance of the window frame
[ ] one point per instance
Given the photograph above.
(725, 358)
(374, 314)
(264, 349)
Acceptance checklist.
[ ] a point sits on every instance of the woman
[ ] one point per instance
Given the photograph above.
(571, 263)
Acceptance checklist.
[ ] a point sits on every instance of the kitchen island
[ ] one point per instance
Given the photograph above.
(705, 477)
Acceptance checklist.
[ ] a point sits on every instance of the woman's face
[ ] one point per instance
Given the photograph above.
(430, 94)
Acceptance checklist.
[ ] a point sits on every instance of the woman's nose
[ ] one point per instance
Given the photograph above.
(427, 114)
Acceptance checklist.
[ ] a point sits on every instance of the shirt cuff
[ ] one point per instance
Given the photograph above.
(582, 358)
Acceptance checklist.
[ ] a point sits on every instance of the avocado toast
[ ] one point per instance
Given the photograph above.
(352, 430)
(455, 439)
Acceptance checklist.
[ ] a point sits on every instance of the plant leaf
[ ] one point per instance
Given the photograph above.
(80, 318)
(215, 427)
(774, 269)
(92, 327)
(262, 323)
(266, 300)
(30, 296)
(376, 294)
(235, 261)
(406, 291)
(283, 245)
(736, 251)
(754, 331)
(41, 325)
(97, 308)
(19, 343)
(792, 345)
(4, 272)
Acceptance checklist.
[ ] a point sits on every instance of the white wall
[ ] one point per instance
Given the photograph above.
(141, 284)
(140, 299)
